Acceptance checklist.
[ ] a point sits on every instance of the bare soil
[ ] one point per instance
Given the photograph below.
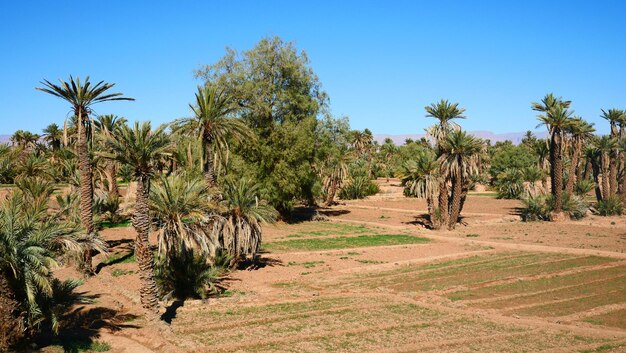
(495, 284)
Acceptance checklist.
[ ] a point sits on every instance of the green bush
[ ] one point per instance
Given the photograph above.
(582, 187)
(540, 207)
(186, 274)
(612, 206)
(358, 188)
(509, 184)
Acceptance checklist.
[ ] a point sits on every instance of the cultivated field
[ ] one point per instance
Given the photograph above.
(370, 278)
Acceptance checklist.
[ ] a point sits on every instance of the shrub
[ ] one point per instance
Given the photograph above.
(186, 274)
(509, 184)
(612, 206)
(540, 207)
(582, 187)
(358, 188)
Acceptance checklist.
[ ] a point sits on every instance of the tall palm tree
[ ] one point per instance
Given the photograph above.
(143, 149)
(446, 113)
(606, 145)
(334, 174)
(213, 124)
(556, 117)
(107, 126)
(82, 96)
(615, 117)
(580, 131)
(460, 160)
(53, 135)
(361, 141)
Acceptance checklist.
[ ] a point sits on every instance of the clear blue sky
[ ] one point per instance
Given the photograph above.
(381, 62)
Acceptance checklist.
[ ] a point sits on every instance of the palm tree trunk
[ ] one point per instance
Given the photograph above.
(613, 173)
(556, 170)
(114, 190)
(571, 176)
(330, 199)
(588, 169)
(595, 169)
(141, 223)
(444, 214)
(86, 189)
(457, 185)
(606, 185)
(209, 173)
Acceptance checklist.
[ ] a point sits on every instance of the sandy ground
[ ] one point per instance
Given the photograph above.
(494, 284)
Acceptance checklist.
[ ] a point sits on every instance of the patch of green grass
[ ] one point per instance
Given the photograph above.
(331, 229)
(472, 235)
(107, 224)
(345, 242)
(120, 258)
(616, 347)
(80, 345)
(119, 272)
(353, 253)
(231, 292)
(370, 261)
(308, 264)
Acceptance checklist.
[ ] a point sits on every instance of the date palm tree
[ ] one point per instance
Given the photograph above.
(616, 118)
(556, 117)
(213, 124)
(142, 149)
(581, 132)
(181, 210)
(53, 135)
(240, 232)
(446, 113)
(460, 160)
(107, 126)
(421, 179)
(606, 145)
(82, 96)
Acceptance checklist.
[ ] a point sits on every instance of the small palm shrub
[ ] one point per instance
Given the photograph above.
(582, 187)
(31, 241)
(612, 206)
(187, 274)
(358, 188)
(509, 184)
(540, 207)
(107, 205)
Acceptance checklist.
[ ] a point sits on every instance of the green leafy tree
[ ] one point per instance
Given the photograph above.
(279, 97)
(53, 135)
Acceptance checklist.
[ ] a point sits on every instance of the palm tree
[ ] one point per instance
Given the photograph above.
(240, 232)
(460, 160)
(421, 179)
(361, 141)
(606, 145)
(53, 135)
(106, 126)
(615, 117)
(334, 174)
(580, 131)
(141, 148)
(556, 117)
(81, 96)
(31, 241)
(214, 126)
(446, 113)
(181, 209)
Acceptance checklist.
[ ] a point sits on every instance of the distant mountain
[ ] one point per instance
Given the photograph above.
(515, 137)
